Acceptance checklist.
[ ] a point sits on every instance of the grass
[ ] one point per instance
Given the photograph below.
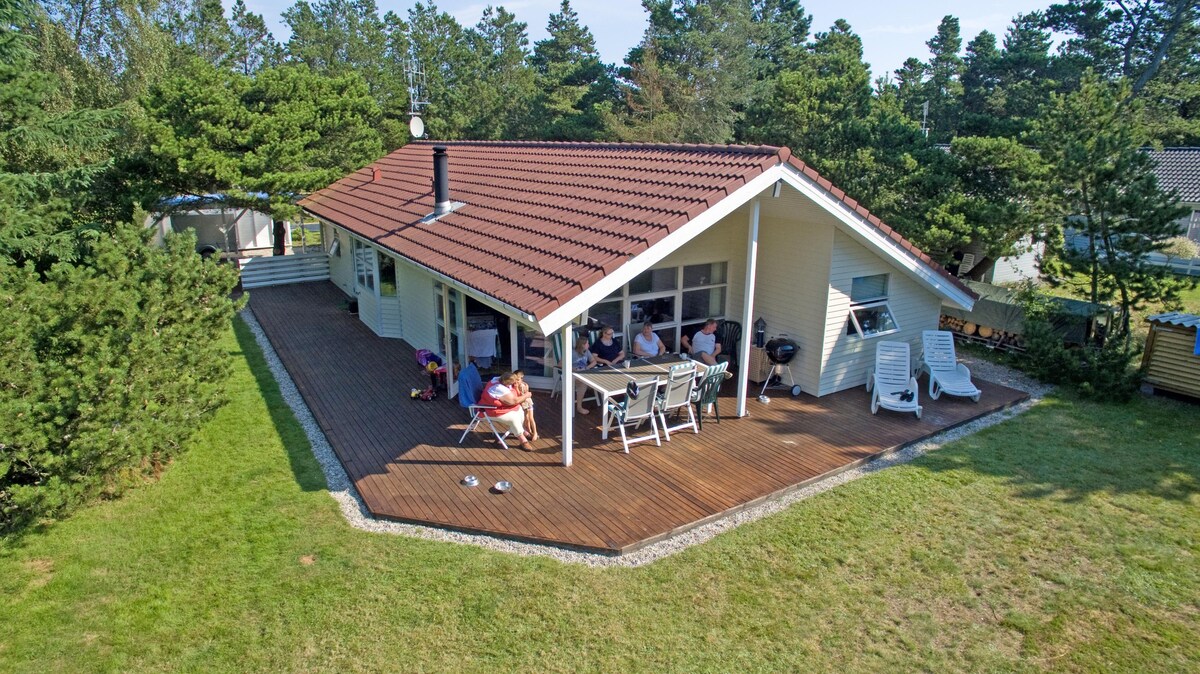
(1065, 540)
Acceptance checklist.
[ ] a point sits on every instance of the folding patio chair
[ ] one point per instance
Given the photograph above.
(637, 406)
(707, 392)
(946, 374)
(470, 388)
(891, 382)
(677, 394)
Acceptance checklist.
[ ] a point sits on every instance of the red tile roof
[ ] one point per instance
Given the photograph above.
(541, 221)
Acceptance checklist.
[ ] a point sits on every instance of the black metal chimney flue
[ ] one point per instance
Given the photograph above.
(441, 181)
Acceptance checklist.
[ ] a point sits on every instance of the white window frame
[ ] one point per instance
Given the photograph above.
(872, 303)
(676, 326)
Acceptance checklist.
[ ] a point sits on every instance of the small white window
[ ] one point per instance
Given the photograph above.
(870, 315)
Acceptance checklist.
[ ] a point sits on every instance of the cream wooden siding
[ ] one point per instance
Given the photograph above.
(792, 280)
(847, 357)
(414, 288)
(341, 267)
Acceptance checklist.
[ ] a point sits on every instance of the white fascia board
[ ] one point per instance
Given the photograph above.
(658, 252)
(876, 239)
(508, 310)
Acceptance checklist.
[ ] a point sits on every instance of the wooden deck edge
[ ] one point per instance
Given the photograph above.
(785, 491)
(516, 538)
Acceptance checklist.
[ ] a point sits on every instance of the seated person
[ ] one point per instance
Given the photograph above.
(703, 345)
(500, 394)
(581, 359)
(607, 349)
(646, 344)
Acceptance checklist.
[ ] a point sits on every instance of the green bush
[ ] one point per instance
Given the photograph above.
(1103, 372)
(106, 366)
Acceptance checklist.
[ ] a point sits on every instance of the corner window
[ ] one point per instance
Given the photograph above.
(870, 315)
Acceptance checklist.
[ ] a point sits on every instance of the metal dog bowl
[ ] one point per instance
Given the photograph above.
(469, 481)
(502, 486)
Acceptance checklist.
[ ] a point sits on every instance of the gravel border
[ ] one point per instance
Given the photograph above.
(355, 511)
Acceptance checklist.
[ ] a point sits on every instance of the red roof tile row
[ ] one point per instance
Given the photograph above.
(540, 222)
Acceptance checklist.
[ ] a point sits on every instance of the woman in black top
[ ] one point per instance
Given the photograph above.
(607, 349)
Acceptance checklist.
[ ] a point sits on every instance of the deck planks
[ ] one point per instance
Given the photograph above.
(403, 455)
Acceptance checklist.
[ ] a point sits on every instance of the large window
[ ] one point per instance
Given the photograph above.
(870, 315)
(387, 275)
(675, 299)
(364, 266)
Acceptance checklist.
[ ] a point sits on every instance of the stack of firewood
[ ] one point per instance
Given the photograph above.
(968, 331)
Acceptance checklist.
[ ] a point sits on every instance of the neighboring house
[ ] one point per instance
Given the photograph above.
(1178, 168)
(1023, 266)
(238, 231)
(534, 237)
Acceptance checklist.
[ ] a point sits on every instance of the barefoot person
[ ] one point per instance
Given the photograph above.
(522, 389)
(499, 393)
(581, 359)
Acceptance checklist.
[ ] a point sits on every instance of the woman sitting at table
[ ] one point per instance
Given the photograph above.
(646, 344)
(581, 359)
(607, 349)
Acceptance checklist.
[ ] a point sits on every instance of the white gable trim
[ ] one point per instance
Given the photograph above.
(659, 251)
(863, 230)
(875, 239)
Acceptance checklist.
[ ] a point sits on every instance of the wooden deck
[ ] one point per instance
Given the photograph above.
(404, 458)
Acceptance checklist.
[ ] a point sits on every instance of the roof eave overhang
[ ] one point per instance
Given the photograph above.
(639, 263)
(483, 297)
(876, 239)
(864, 230)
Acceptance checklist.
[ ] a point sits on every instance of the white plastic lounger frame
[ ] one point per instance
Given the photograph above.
(946, 374)
(890, 382)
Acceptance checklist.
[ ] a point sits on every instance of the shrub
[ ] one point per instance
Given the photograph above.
(1102, 371)
(106, 366)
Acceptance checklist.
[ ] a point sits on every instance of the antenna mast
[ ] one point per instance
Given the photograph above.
(416, 95)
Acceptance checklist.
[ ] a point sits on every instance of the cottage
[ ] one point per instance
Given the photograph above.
(492, 247)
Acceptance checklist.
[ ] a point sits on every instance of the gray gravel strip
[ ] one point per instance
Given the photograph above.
(355, 511)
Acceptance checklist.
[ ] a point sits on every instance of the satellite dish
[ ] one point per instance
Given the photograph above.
(416, 126)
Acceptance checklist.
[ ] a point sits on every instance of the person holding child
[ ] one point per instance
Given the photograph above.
(522, 390)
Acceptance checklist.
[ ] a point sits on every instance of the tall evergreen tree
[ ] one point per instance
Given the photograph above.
(251, 45)
(443, 49)
(504, 83)
(943, 88)
(50, 159)
(702, 48)
(1107, 193)
(575, 88)
(981, 84)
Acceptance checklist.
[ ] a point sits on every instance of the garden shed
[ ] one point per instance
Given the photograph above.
(1172, 357)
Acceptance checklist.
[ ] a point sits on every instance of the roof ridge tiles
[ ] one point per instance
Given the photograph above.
(595, 145)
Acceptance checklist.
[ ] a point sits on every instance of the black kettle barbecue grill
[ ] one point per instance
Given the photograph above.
(780, 351)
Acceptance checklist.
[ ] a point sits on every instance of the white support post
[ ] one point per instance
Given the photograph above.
(748, 309)
(568, 395)
(512, 344)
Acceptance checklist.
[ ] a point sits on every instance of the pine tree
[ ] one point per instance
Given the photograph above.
(943, 88)
(1108, 195)
(575, 87)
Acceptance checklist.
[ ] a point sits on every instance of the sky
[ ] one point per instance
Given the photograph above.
(891, 31)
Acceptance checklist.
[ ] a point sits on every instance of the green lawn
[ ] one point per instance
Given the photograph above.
(1067, 540)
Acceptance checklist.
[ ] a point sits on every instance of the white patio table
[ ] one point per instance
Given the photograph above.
(610, 382)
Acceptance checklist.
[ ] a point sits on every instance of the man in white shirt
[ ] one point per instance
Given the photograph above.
(703, 345)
